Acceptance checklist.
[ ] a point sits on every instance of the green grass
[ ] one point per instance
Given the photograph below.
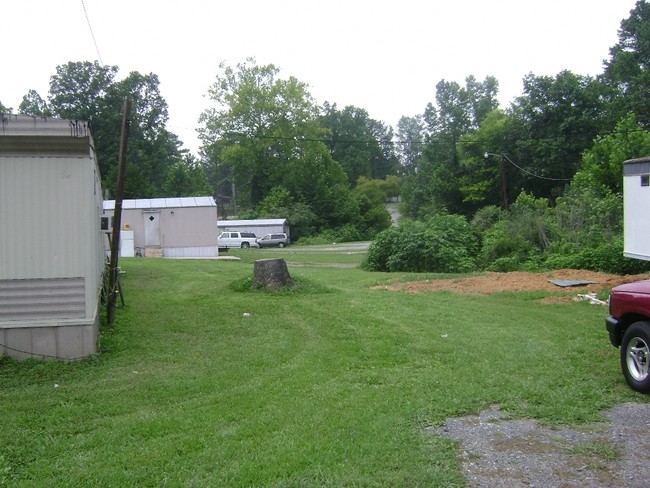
(329, 385)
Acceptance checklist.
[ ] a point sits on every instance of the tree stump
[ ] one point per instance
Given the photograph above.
(271, 274)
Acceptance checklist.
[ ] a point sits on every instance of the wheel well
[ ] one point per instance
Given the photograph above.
(627, 320)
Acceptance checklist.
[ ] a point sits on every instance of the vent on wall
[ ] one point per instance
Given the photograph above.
(34, 299)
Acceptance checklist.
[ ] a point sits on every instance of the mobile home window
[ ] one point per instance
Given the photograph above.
(645, 180)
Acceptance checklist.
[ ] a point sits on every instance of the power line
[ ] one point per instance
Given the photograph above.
(525, 170)
(92, 34)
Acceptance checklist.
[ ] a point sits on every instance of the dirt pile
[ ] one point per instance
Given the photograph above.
(490, 282)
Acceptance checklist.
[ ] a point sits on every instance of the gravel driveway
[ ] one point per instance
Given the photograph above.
(521, 453)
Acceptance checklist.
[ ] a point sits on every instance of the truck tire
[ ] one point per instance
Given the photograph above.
(635, 356)
(245, 245)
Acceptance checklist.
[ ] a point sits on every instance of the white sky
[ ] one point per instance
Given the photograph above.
(383, 56)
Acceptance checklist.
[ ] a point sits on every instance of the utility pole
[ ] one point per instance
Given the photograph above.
(117, 214)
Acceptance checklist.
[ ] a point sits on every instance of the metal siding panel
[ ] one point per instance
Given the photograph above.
(19, 343)
(190, 227)
(44, 341)
(34, 299)
(191, 252)
(41, 207)
(636, 220)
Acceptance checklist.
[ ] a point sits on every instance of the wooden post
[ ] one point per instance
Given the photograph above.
(117, 215)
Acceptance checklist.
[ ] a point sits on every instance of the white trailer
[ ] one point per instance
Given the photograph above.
(636, 213)
(51, 251)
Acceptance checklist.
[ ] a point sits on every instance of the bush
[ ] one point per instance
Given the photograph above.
(607, 258)
(443, 243)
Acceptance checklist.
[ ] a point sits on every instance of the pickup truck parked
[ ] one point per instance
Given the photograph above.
(628, 325)
(243, 240)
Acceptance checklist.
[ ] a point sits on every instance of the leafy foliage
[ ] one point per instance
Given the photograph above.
(361, 145)
(628, 69)
(90, 92)
(264, 138)
(442, 243)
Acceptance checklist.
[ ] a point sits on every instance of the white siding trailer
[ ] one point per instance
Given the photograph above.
(636, 214)
(51, 246)
(259, 227)
(168, 227)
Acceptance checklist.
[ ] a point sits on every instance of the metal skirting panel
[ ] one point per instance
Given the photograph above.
(191, 252)
(69, 341)
(34, 299)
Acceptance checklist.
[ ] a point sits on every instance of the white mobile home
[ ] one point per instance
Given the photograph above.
(636, 218)
(168, 227)
(51, 246)
(260, 227)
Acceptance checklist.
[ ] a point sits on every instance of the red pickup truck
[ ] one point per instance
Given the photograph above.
(628, 325)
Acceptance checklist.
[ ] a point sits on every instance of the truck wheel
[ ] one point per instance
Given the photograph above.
(635, 356)
(281, 244)
(245, 245)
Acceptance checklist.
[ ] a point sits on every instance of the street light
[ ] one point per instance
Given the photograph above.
(504, 184)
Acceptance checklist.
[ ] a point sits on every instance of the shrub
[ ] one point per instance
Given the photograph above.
(607, 257)
(443, 243)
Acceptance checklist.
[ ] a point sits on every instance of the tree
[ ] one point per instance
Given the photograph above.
(410, 142)
(485, 173)
(153, 151)
(186, 178)
(628, 69)
(77, 87)
(33, 104)
(602, 165)
(555, 120)
(264, 132)
(458, 111)
(361, 145)
(88, 91)
(5, 110)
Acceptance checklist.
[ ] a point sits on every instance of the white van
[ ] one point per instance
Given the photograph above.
(243, 240)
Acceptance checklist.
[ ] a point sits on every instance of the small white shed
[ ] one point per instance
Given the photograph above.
(636, 215)
(260, 227)
(51, 247)
(168, 227)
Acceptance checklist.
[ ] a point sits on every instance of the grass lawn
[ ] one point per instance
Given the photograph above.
(329, 385)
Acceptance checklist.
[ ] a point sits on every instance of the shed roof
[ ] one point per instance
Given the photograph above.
(146, 203)
(239, 223)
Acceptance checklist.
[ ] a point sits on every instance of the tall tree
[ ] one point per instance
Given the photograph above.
(458, 111)
(264, 132)
(153, 150)
(628, 69)
(556, 119)
(486, 176)
(33, 104)
(362, 146)
(88, 91)
(77, 87)
(410, 142)
(186, 178)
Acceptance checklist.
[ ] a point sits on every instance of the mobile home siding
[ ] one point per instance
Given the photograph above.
(187, 225)
(636, 195)
(259, 227)
(51, 248)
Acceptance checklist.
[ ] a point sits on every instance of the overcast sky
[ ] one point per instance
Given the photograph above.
(384, 56)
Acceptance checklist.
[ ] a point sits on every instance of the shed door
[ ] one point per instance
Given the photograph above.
(151, 228)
